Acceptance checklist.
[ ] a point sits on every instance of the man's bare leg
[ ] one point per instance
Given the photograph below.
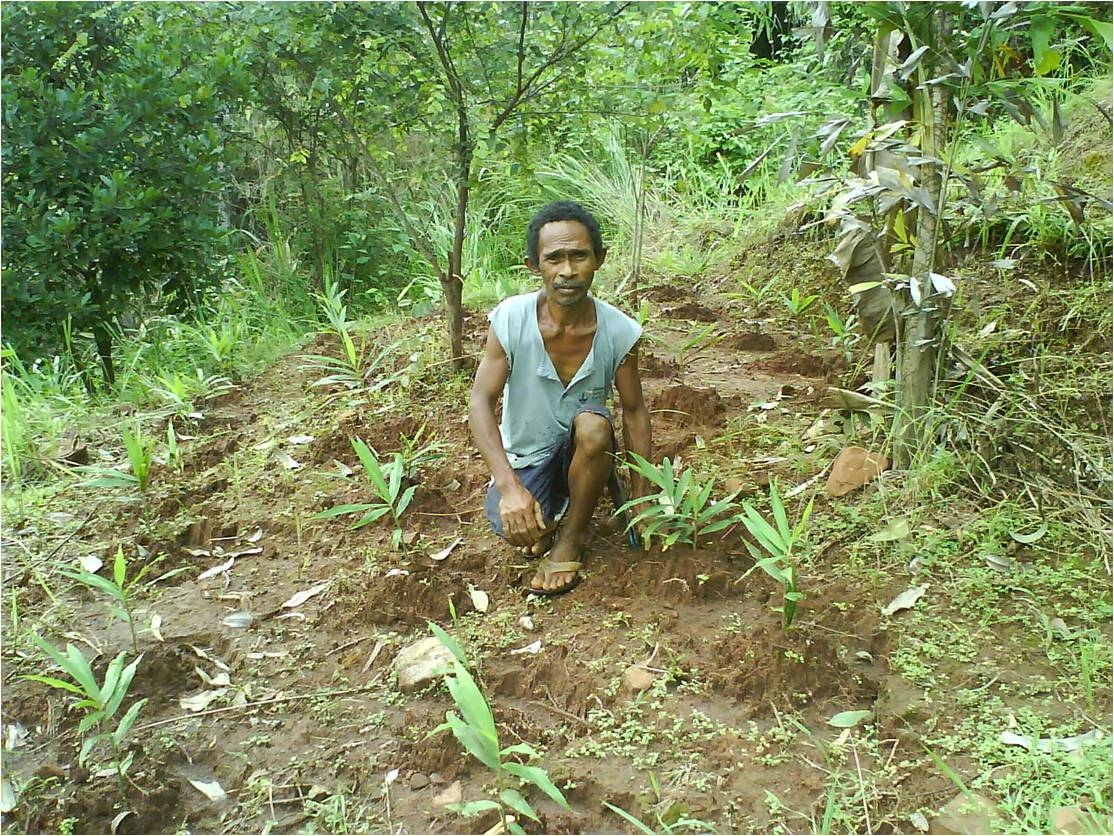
(588, 471)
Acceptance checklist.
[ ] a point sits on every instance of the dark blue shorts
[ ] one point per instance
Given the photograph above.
(549, 480)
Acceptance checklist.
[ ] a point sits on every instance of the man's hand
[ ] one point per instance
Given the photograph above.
(523, 520)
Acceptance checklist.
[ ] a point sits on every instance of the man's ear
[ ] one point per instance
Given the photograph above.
(532, 266)
(600, 256)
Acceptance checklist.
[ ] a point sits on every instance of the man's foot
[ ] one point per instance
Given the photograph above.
(541, 547)
(560, 571)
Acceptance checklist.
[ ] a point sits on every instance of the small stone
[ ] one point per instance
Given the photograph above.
(436, 778)
(422, 663)
(1074, 820)
(526, 623)
(419, 781)
(964, 815)
(452, 794)
(637, 679)
(853, 468)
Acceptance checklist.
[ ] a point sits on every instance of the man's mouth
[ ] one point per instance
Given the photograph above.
(568, 288)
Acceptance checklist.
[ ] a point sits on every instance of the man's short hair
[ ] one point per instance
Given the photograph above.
(561, 210)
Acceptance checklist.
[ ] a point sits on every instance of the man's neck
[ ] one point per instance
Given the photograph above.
(582, 313)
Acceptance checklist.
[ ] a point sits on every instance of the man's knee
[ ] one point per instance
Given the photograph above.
(592, 434)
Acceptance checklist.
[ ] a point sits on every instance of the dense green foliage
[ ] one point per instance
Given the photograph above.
(113, 137)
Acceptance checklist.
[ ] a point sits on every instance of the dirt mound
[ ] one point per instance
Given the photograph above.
(751, 341)
(796, 361)
(685, 406)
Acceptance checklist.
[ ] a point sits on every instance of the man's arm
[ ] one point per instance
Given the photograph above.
(636, 417)
(523, 521)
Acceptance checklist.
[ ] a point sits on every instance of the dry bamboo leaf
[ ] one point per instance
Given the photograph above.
(445, 552)
(217, 570)
(905, 600)
(479, 598)
(299, 598)
(212, 790)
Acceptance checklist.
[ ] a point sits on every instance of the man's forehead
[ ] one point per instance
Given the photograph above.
(564, 234)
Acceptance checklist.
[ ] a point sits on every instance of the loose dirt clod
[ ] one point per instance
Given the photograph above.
(852, 469)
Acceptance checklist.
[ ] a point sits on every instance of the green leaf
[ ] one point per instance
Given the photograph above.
(53, 683)
(120, 567)
(473, 742)
(779, 512)
(474, 808)
(642, 828)
(378, 512)
(1103, 29)
(111, 678)
(93, 582)
(477, 713)
(339, 510)
(538, 777)
(514, 800)
(449, 642)
(114, 698)
(850, 719)
(126, 722)
(404, 502)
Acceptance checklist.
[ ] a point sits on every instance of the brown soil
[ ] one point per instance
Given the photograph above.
(311, 709)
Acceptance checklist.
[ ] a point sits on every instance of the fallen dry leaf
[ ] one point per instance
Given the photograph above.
(905, 600)
(479, 598)
(199, 702)
(299, 598)
(212, 790)
(217, 570)
(156, 627)
(445, 552)
(286, 460)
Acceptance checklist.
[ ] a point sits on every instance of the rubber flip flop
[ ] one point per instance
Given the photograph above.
(549, 567)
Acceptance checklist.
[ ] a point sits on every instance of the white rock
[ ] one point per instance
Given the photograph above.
(421, 663)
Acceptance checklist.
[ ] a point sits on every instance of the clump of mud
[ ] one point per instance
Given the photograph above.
(686, 406)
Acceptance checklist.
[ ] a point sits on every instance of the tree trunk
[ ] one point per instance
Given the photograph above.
(452, 281)
(104, 350)
(916, 363)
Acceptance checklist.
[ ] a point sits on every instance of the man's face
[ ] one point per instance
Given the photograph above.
(566, 262)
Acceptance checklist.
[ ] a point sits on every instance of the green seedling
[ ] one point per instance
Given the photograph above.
(386, 480)
(797, 302)
(695, 342)
(99, 702)
(681, 511)
(140, 449)
(682, 824)
(474, 728)
(416, 455)
(773, 553)
(173, 452)
(119, 589)
(756, 295)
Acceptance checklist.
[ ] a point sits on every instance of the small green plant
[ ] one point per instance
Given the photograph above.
(755, 294)
(140, 449)
(680, 823)
(173, 452)
(474, 728)
(797, 302)
(17, 447)
(99, 702)
(416, 455)
(681, 511)
(119, 589)
(774, 552)
(386, 479)
(695, 342)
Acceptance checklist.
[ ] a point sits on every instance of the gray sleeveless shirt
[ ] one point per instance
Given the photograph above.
(537, 407)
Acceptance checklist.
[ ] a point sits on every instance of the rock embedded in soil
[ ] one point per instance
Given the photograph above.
(637, 679)
(1073, 820)
(421, 663)
(964, 815)
(452, 794)
(419, 781)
